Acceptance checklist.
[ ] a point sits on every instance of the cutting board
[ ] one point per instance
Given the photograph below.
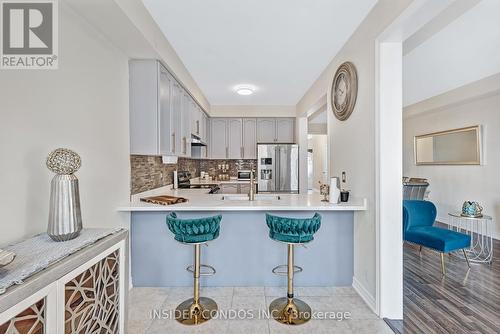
(164, 200)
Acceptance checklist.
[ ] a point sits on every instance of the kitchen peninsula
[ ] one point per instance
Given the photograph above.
(243, 254)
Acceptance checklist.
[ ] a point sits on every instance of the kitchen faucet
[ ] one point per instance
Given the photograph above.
(251, 194)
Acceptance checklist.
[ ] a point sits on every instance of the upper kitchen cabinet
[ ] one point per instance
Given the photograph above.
(226, 138)
(276, 130)
(285, 130)
(218, 139)
(162, 113)
(235, 138)
(249, 150)
(151, 116)
(187, 105)
(195, 119)
(266, 130)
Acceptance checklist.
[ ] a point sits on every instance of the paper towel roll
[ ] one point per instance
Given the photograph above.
(334, 190)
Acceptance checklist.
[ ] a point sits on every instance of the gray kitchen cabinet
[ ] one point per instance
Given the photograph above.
(244, 188)
(276, 130)
(229, 188)
(176, 135)
(166, 119)
(151, 113)
(218, 138)
(203, 126)
(235, 138)
(266, 130)
(186, 125)
(249, 149)
(196, 119)
(285, 130)
(205, 151)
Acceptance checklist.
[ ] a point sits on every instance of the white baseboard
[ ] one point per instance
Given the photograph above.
(365, 295)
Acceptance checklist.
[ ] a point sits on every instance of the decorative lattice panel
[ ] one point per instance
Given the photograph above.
(29, 321)
(92, 303)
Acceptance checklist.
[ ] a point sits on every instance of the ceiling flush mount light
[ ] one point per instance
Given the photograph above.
(245, 89)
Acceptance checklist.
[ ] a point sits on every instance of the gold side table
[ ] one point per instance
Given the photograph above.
(480, 231)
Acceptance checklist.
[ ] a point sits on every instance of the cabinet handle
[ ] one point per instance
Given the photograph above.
(227, 153)
(197, 127)
(184, 142)
(173, 142)
(242, 152)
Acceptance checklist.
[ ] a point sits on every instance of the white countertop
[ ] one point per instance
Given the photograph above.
(200, 200)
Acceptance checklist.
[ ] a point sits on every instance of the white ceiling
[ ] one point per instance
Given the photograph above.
(465, 51)
(280, 46)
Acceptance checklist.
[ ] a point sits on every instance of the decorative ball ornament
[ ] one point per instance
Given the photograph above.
(344, 91)
(63, 161)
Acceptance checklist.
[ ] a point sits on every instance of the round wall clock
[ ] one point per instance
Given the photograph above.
(344, 91)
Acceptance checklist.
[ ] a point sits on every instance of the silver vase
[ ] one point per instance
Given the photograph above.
(65, 218)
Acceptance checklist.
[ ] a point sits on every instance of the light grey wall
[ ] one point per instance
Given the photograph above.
(450, 186)
(243, 255)
(83, 106)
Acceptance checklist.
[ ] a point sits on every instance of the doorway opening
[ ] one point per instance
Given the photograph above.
(317, 150)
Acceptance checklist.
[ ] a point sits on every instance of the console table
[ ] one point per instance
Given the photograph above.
(84, 292)
(480, 231)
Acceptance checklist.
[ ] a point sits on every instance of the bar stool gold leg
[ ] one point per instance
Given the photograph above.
(289, 310)
(196, 310)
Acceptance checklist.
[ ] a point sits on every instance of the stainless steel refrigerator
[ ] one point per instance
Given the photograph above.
(278, 168)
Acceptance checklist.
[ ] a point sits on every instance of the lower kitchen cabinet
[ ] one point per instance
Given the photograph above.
(235, 188)
(229, 188)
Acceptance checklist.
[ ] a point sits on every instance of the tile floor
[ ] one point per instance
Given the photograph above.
(252, 299)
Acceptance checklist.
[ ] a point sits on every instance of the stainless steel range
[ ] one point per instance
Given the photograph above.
(278, 168)
(184, 182)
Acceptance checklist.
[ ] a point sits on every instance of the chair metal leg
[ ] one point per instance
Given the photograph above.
(466, 258)
(196, 310)
(442, 264)
(290, 310)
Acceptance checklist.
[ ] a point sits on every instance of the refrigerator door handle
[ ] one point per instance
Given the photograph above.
(278, 169)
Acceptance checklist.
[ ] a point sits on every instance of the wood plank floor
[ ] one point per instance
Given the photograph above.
(462, 302)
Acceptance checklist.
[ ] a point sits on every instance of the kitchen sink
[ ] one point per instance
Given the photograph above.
(258, 197)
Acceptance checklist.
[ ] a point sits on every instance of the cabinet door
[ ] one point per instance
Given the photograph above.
(218, 142)
(143, 104)
(285, 130)
(244, 188)
(186, 125)
(176, 134)
(234, 138)
(165, 116)
(203, 126)
(249, 138)
(205, 151)
(266, 130)
(229, 188)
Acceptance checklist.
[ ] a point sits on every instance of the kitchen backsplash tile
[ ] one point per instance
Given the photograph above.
(148, 172)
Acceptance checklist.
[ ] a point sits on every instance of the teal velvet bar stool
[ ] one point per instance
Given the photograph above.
(198, 309)
(292, 231)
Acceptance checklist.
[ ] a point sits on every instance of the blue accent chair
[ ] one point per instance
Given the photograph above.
(418, 218)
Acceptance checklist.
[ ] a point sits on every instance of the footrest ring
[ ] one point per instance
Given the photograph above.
(282, 270)
(210, 272)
